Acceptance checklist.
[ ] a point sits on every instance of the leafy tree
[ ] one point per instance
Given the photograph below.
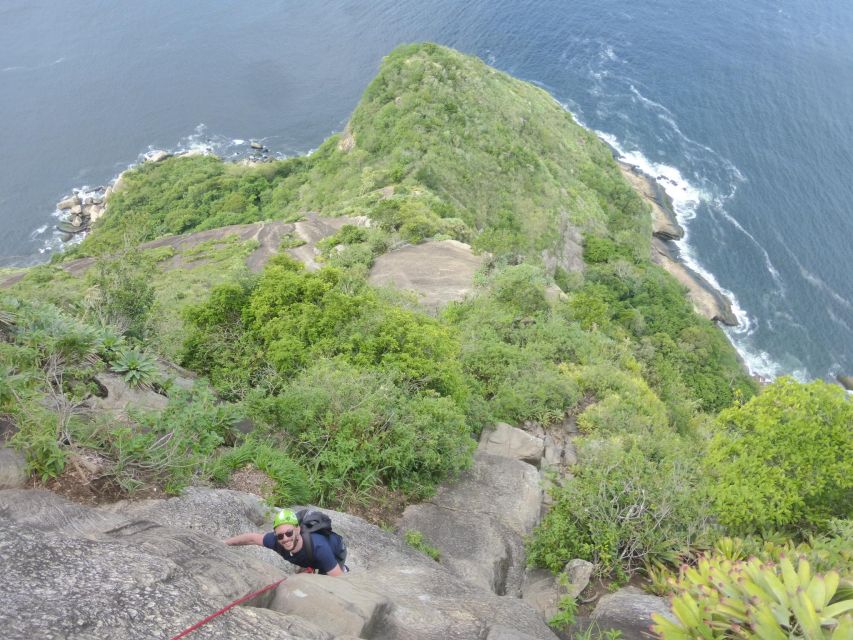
(784, 459)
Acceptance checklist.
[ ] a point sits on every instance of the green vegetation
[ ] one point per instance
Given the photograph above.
(784, 460)
(350, 392)
(415, 539)
(757, 600)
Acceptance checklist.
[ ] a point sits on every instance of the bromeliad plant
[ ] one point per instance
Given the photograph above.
(137, 368)
(720, 598)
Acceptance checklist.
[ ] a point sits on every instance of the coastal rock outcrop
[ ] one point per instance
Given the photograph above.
(707, 301)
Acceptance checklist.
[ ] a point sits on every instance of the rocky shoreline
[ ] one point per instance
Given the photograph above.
(707, 300)
(80, 209)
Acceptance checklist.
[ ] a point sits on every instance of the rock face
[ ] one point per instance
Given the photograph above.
(479, 522)
(120, 395)
(664, 223)
(629, 610)
(437, 272)
(509, 442)
(152, 569)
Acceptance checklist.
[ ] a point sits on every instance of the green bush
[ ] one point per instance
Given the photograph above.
(784, 459)
(623, 508)
(354, 429)
(292, 485)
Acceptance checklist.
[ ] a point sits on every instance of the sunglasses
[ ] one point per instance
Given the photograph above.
(286, 534)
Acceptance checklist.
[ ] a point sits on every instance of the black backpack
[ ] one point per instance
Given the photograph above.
(313, 521)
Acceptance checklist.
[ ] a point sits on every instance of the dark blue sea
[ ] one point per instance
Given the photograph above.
(744, 108)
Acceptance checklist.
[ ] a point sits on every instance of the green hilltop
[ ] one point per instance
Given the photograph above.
(359, 399)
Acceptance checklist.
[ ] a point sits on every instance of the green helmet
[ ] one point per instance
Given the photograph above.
(285, 516)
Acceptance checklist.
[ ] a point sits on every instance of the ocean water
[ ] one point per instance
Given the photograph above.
(743, 109)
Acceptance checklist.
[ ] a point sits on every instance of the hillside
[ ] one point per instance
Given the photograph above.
(339, 393)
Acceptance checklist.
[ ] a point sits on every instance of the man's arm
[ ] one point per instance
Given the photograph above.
(246, 538)
(337, 571)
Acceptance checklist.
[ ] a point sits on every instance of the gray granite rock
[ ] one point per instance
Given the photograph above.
(629, 610)
(13, 469)
(511, 442)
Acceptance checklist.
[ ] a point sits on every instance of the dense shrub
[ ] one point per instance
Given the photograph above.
(353, 429)
(784, 459)
(624, 508)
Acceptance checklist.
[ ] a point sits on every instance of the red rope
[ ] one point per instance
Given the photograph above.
(230, 606)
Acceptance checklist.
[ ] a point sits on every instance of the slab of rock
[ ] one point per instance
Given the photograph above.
(629, 610)
(13, 469)
(77, 573)
(150, 569)
(499, 632)
(512, 442)
(542, 591)
(69, 202)
(121, 396)
(664, 222)
(476, 547)
(438, 272)
(479, 522)
(347, 609)
(157, 155)
(508, 490)
(313, 229)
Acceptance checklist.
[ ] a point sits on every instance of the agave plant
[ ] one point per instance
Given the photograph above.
(137, 368)
(721, 598)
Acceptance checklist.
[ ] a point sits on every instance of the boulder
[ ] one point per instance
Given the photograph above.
(629, 610)
(542, 591)
(157, 155)
(13, 469)
(76, 210)
(256, 145)
(845, 381)
(579, 572)
(511, 442)
(96, 212)
(69, 202)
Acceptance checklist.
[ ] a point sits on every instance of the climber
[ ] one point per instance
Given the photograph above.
(315, 552)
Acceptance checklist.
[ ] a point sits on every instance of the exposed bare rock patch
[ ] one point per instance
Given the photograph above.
(438, 272)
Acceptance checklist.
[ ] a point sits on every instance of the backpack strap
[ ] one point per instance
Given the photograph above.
(307, 544)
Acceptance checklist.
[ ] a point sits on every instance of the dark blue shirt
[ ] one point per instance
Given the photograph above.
(324, 555)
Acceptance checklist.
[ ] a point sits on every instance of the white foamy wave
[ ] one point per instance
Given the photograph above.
(686, 199)
(685, 196)
(46, 65)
